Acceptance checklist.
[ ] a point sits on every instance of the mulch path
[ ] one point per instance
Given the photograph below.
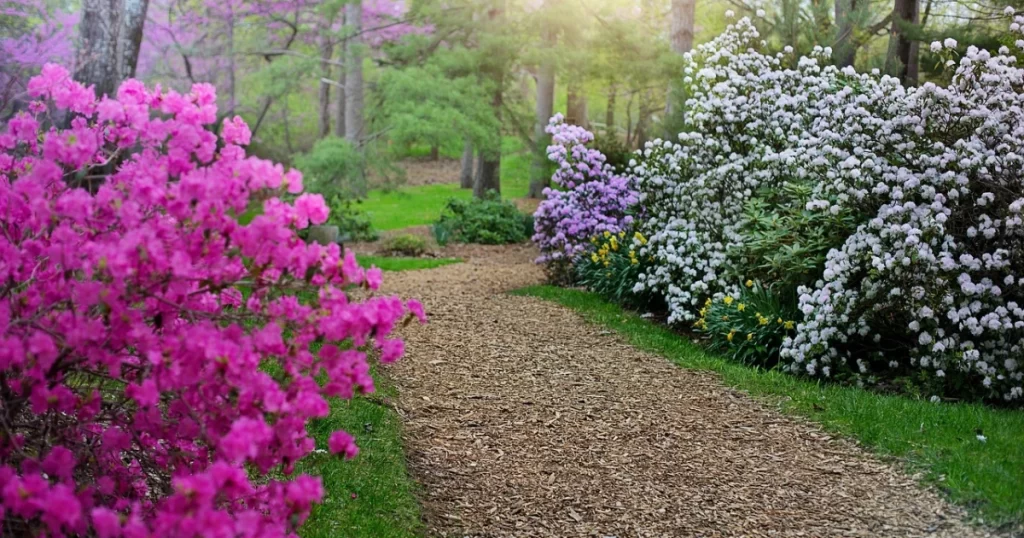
(523, 420)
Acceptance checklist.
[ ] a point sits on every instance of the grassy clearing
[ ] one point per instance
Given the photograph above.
(939, 440)
(387, 263)
(371, 495)
(417, 206)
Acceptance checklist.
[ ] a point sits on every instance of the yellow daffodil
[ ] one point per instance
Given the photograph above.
(741, 307)
(778, 320)
(594, 258)
(607, 234)
(788, 325)
(728, 300)
(749, 283)
(708, 302)
(622, 235)
(640, 237)
(750, 335)
(731, 334)
(606, 262)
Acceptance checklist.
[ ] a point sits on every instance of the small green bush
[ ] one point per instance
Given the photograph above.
(750, 329)
(353, 224)
(488, 221)
(616, 153)
(334, 167)
(405, 245)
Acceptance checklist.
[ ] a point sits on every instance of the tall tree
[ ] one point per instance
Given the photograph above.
(680, 35)
(466, 172)
(544, 109)
(898, 60)
(843, 51)
(354, 124)
(324, 94)
(110, 34)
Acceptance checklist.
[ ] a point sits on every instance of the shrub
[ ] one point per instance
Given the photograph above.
(591, 198)
(488, 221)
(612, 267)
(353, 224)
(138, 397)
(405, 245)
(919, 189)
(616, 154)
(334, 167)
(751, 327)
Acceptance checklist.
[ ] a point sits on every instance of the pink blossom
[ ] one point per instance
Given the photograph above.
(343, 443)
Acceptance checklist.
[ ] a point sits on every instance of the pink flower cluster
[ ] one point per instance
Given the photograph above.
(593, 199)
(156, 363)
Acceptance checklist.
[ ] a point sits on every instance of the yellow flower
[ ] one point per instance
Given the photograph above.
(594, 258)
(640, 237)
(749, 283)
(607, 234)
(708, 302)
(622, 235)
(593, 240)
(731, 334)
(608, 274)
(750, 335)
(778, 320)
(728, 300)
(633, 261)
(788, 325)
(763, 321)
(632, 253)
(741, 307)
(606, 263)
(725, 318)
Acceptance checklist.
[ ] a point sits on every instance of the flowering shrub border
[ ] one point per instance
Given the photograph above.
(143, 393)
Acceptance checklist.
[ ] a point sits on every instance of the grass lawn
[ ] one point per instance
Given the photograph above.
(387, 263)
(371, 495)
(416, 206)
(939, 440)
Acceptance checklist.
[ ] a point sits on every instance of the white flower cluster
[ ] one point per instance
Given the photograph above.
(930, 281)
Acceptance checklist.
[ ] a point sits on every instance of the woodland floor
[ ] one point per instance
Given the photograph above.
(520, 419)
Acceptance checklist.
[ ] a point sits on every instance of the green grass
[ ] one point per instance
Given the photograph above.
(371, 495)
(940, 440)
(386, 263)
(417, 206)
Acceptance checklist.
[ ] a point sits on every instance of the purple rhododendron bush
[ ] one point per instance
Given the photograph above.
(591, 198)
(142, 393)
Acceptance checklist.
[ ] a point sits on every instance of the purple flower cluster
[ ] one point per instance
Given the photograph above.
(591, 198)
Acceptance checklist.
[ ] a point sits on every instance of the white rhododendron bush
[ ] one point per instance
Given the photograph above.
(920, 188)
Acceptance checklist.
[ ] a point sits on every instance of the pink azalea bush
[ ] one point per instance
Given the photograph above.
(591, 199)
(156, 372)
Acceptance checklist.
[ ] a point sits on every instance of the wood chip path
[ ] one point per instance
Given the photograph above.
(523, 420)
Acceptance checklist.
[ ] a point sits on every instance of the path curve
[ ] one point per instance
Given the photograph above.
(523, 420)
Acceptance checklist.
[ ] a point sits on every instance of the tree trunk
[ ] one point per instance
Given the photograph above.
(898, 62)
(466, 173)
(110, 34)
(609, 111)
(435, 152)
(539, 178)
(354, 77)
(844, 52)
(232, 68)
(339, 113)
(488, 177)
(681, 34)
(324, 96)
(576, 105)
